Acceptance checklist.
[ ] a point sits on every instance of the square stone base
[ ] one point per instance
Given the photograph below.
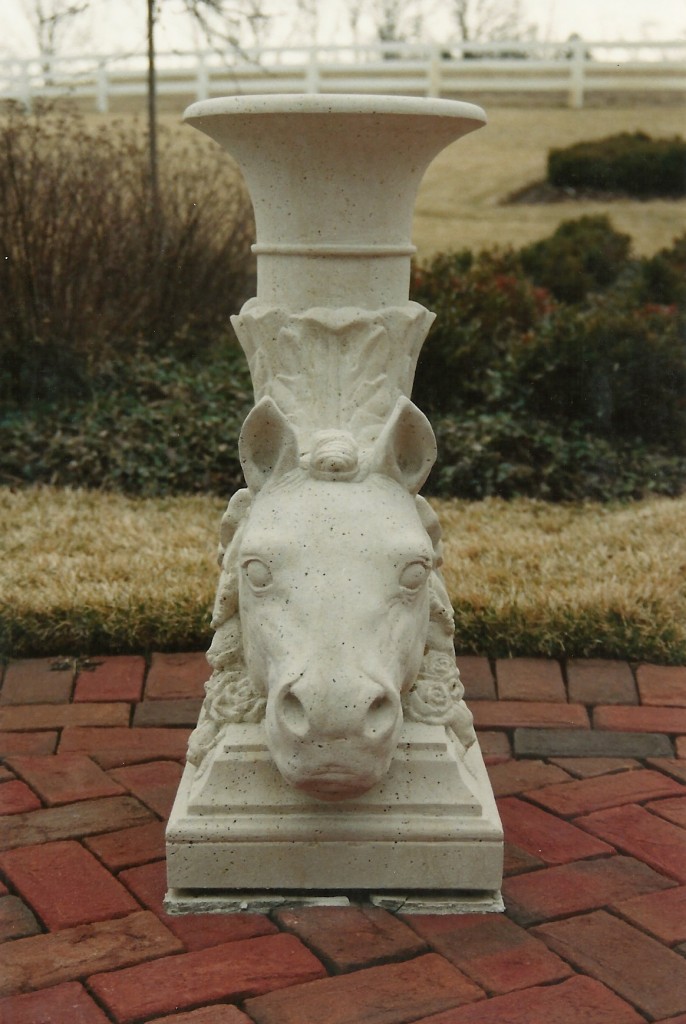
(427, 835)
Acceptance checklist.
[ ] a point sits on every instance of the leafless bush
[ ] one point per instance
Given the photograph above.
(91, 271)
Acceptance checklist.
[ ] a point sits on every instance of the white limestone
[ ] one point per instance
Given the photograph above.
(334, 751)
(430, 824)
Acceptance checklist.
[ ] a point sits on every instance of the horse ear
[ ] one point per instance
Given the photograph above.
(267, 445)
(406, 448)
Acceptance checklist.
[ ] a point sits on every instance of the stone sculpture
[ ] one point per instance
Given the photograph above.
(334, 677)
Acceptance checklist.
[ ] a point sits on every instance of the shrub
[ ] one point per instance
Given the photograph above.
(163, 428)
(663, 276)
(529, 395)
(88, 271)
(581, 256)
(508, 455)
(617, 371)
(632, 163)
(481, 303)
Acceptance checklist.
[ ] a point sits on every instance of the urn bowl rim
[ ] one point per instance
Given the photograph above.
(334, 103)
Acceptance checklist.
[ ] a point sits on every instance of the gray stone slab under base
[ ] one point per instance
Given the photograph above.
(179, 901)
(590, 743)
(431, 827)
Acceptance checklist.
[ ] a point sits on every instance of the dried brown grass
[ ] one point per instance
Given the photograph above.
(461, 200)
(87, 572)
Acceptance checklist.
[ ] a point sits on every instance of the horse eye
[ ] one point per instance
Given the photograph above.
(258, 574)
(414, 575)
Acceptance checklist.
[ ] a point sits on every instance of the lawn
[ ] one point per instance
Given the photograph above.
(90, 573)
(462, 199)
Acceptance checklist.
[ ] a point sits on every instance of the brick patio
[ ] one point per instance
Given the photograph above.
(587, 760)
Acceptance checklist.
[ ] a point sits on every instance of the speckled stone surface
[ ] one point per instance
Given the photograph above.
(334, 750)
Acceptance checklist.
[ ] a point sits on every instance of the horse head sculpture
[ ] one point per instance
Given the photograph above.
(332, 620)
(334, 564)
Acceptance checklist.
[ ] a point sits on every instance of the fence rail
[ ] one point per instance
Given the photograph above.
(575, 68)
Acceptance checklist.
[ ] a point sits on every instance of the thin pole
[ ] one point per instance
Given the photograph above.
(152, 112)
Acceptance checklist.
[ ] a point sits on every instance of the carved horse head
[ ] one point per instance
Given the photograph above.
(333, 566)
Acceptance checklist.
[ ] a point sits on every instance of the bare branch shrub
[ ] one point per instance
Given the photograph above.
(89, 276)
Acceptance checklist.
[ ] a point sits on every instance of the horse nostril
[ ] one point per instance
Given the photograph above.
(381, 717)
(293, 714)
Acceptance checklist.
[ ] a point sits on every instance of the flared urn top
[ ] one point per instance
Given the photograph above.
(333, 181)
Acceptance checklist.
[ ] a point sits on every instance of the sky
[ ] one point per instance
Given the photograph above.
(115, 25)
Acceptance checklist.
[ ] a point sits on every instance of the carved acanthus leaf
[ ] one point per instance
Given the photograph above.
(333, 368)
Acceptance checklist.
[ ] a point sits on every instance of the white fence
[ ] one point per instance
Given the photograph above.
(575, 69)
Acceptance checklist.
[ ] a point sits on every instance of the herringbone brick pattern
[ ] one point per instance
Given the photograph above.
(587, 761)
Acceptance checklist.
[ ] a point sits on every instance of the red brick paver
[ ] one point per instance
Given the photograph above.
(113, 748)
(493, 951)
(173, 676)
(673, 810)
(348, 938)
(511, 777)
(587, 761)
(220, 1013)
(513, 714)
(577, 1001)
(16, 920)
(197, 931)
(64, 778)
(586, 795)
(590, 767)
(72, 953)
(641, 719)
(633, 829)
(63, 1004)
(43, 742)
(579, 886)
(16, 797)
(532, 679)
(545, 836)
(112, 679)
(663, 685)
(594, 681)
(129, 847)
(56, 716)
(477, 677)
(390, 994)
(37, 681)
(663, 914)
(495, 747)
(65, 885)
(636, 967)
(87, 817)
(228, 972)
(155, 784)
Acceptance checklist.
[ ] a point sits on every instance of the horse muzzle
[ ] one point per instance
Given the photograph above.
(333, 740)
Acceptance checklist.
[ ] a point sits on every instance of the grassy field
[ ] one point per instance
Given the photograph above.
(461, 202)
(85, 572)
(92, 573)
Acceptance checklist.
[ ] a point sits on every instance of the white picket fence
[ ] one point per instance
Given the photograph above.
(575, 69)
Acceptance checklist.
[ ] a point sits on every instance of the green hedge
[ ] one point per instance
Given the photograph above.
(580, 257)
(629, 162)
(166, 427)
(530, 394)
